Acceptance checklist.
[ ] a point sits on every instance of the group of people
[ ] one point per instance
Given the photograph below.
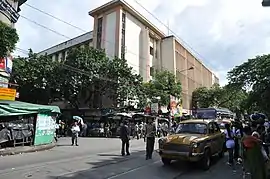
(248, 144)
(149, 131)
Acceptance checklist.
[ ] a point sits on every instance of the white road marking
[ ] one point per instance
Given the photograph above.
(132, 170)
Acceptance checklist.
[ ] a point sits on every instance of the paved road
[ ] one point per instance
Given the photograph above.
(100, 159)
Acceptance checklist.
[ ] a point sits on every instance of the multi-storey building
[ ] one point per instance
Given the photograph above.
(9, 14)
(124, 32)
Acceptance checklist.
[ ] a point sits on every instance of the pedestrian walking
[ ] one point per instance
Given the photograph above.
(75, 129)
(136, 134)
(150, 131)
(253, 157)
(230, 144)
(125, 137)
(56, 133)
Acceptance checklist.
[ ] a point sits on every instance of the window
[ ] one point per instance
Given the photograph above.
(57, 56)
(151, 51)
(216, 126)
(152, 71)
(191, 128)
(123, 36)
(213, 128)
(99, 32)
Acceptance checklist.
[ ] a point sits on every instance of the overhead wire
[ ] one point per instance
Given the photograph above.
(52, 16)
(74, 26)
(185, 44)
(83, 30)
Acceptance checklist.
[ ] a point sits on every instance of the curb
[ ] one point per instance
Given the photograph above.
(16, 150)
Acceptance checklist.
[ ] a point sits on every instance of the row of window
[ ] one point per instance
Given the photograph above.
(63, 54)
(99, 32)
(123, 36)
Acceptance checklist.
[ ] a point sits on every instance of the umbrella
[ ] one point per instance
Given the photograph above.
(77, 118)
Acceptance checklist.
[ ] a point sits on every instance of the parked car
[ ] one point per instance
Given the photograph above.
(195, 140)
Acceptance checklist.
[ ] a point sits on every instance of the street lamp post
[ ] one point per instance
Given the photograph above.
(266, 3)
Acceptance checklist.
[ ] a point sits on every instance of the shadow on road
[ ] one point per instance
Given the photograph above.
(111, 165)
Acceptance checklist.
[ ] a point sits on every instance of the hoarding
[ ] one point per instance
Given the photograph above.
(45, 129)
(7, 94)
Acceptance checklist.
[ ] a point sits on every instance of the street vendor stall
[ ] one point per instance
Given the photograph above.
(26, 123)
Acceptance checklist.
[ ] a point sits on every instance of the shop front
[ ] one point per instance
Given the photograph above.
(26, 124)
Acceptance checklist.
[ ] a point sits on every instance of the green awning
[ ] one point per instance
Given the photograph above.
(11, 108)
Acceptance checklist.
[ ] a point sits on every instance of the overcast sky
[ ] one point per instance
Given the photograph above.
(223, 33)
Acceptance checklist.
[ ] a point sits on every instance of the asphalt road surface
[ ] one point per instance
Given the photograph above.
(99, 159)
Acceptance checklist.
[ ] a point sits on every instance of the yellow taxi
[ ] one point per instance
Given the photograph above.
(195, 140)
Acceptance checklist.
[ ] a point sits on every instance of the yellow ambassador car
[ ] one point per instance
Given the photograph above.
(195, 140)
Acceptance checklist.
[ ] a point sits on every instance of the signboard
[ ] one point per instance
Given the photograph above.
(154, 107)
(45, 129)
(3, 82)
(2, 63)
(7, 94)
(9, 64)
(175, 107)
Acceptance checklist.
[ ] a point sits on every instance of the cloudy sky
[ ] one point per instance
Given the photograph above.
(222, 33)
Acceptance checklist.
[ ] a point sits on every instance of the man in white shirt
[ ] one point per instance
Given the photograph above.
(150, 132)
(75, 129)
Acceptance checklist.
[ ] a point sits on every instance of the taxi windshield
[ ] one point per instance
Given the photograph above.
(193, 128)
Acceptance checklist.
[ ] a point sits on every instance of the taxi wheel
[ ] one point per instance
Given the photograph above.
(206, 160)
(166, 161)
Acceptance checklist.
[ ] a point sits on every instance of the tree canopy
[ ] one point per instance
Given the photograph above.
(163, 85)
(228, 96)
(253, 76)
(8, 39)
(85, 76)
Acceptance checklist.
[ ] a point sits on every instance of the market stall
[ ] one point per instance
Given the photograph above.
(25, 123)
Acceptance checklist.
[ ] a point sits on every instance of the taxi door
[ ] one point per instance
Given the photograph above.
(219, 137)
(212, 138)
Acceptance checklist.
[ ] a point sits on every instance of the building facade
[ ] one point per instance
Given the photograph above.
(9, 14)
(59, 52)
(125, 33)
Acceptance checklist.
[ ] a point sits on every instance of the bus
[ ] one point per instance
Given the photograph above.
(213, 113)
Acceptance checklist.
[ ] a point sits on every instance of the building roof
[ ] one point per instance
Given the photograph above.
(115, 3)
(67, 44)
(20, 2)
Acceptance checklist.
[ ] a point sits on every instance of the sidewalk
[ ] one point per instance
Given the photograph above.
(25, 149)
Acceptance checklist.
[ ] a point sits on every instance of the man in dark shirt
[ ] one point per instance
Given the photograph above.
(124, 136)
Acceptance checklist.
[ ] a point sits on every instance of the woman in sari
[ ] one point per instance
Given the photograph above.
(254, 160)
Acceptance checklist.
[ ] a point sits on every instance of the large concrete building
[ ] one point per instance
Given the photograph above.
(9, 14)
(124, 32)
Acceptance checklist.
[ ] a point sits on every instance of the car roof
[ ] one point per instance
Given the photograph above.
(205, 121)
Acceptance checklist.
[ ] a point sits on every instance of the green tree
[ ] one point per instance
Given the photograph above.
(82, 79)
(163, 85)
(228, 96)
(36, 78)
(253, 76)
(201, 98)
(89, 74)
(8, 39)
